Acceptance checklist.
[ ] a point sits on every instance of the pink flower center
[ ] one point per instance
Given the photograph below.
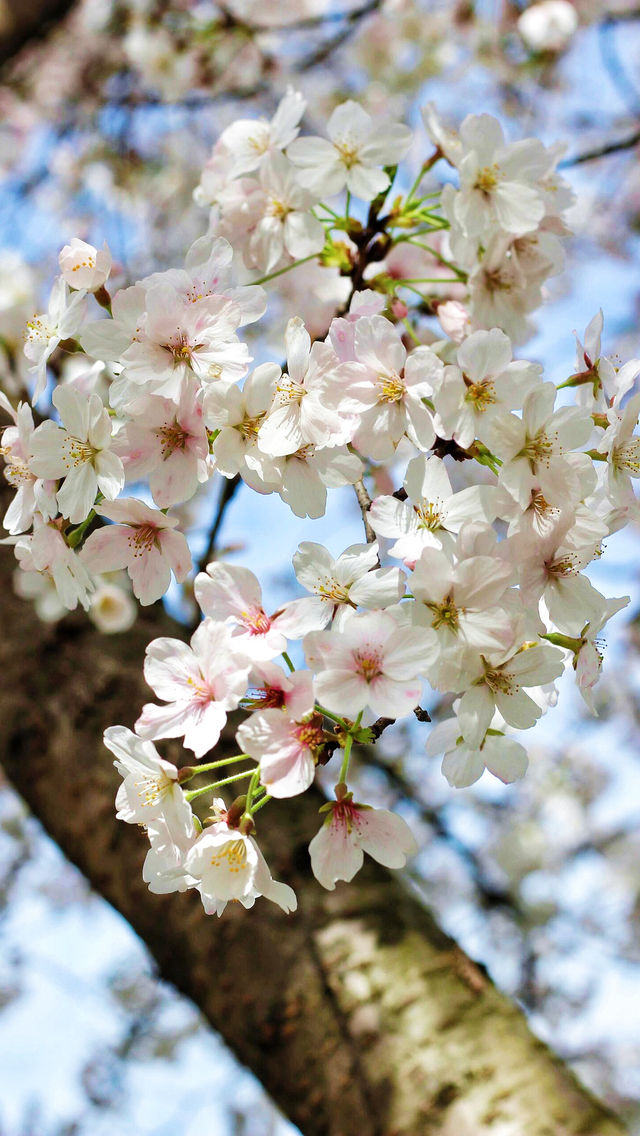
(142, 538)
(173, 438)
(256, 621)
(368, 663)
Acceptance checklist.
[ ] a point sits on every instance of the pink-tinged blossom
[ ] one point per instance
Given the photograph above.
(150, 788)
(271, 221)
(357, 149)
(167, 441)
(180, 338)
(33, 495)
(299, 415)
(350, 830)
(454, 320)
(484, 381)
(200, 682)
(433, 513)
(272, 689)
(343, 328)
(108, 339)
(46, 551)
(78, 451)
(84, 267)
(340, 586)
(387, 390)
(229, 593)
(549, 566)
(144, 541)
(370, 662)
(463, 764)
(208, 273)
(228, 865)
(285, 748)
(62, 320)
(533, 448)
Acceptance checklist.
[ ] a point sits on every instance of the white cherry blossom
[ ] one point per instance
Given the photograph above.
(432, 513)
(463, 764)
(150, 789)
(358, 147)
(341, 585)
(78, 451)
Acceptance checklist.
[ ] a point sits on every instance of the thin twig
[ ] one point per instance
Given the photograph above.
(613, 147)
(364, 502)
(226, 495)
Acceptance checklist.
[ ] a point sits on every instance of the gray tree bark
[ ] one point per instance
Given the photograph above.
(358, 1014)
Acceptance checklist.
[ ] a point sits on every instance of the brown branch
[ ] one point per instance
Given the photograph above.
(614, 146)
(359, 1015)
(24, 21)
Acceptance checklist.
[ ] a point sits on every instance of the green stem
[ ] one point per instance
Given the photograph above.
(217, 764)
(412, 333)
(253, 784)
(348, 205)
(288, 661)
(443, 260)
(191, 794)
(265, 800)
(76, 535)
(332, 716)
(427, 280)
(272, 275)
(344, 768)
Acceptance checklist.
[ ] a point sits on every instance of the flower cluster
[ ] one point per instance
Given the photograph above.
(472, 579)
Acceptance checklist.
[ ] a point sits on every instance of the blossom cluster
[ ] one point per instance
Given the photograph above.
(472, 579)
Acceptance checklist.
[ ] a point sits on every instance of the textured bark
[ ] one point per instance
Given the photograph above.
(25, 20)
(358, 1014)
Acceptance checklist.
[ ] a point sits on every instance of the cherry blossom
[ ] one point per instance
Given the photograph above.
(84, 267)
(200, 683)
(350, 830)
(78, 451)
(150, 789)
(433, 513)
(370, 662)
(286, 748)
(227, 864)
(463, 765)
(227, 592)
(357, 149)
(144, 541)
(62, 320)
(168, 441)
(341, 586)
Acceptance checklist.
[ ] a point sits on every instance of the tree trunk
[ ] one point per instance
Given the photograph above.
(360, 1017)
(24, 20)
